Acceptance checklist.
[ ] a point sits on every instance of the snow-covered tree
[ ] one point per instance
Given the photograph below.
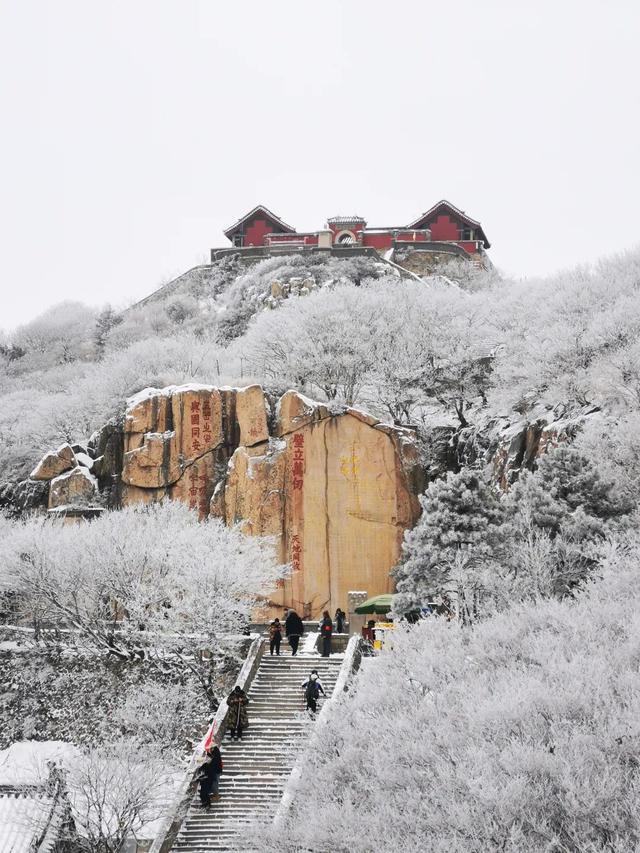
(460, 516)
(145, 582)
(116, 789)
(323, 342)
(106, 320)
(559, 515)
(60, 335)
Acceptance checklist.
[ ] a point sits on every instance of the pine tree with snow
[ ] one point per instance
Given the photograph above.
(566, 482)
(460, 516)
(570, 505)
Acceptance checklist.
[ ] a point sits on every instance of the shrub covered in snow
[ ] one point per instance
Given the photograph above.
(146, 583)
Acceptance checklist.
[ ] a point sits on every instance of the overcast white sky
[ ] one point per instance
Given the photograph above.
(133, 132)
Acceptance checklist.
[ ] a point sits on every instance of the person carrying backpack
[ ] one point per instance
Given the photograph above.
(312, 690)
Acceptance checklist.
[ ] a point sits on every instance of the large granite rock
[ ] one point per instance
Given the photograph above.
(336, 491)
(54, 463)
(73, 489)
(167, 431)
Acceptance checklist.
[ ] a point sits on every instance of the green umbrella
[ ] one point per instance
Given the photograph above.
(377, 604)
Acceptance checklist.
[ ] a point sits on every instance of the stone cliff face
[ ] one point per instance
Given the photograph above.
(335, 491)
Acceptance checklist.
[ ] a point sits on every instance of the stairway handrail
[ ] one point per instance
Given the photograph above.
(174, 818)
(349, 666)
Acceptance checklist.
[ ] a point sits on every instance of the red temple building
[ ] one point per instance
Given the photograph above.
(442, 228)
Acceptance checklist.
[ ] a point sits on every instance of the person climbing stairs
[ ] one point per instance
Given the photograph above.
(257, 767)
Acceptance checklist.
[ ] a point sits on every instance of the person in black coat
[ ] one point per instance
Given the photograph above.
(326, 630)
(340, 616)
(210, 777)
(294, 629)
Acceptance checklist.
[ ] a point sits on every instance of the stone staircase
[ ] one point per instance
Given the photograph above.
(257, 768)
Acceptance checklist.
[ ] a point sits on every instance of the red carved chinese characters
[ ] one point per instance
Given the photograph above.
(193, 488)
(296, 552)
(297, 465)
(195, 426)
(207, 432)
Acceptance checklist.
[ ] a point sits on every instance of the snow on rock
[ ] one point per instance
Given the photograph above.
(84, 460)
(76, 488)
(54, 463)
(327, 483)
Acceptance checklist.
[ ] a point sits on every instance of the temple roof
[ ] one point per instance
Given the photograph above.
(445, 206)
(345, 220)
(260, 208)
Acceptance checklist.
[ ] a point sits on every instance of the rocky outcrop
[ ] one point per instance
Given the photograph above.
(334, 489)
(519, 445)
(177, 441)
(106, 448)
(27, 496)
(54, 463)
(74, 488)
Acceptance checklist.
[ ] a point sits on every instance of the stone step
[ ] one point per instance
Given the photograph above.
(258, 766)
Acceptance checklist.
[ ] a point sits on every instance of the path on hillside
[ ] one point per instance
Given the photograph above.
(257, 767)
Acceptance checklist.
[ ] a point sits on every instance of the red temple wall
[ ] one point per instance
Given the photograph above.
(444, 228)
(377, 241)
(336, 229)
(255, 232)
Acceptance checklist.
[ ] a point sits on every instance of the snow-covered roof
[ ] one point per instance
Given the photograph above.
(345, 220)
(30, 818)
(24, 818)
(443, 204)
(259, 208)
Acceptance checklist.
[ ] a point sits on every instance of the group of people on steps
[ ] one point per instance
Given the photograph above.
(236, 719)
(294, 628)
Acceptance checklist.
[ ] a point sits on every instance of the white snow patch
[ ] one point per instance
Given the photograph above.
(147, 394)
(84, 460)
(25, 762)
(309, 645)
